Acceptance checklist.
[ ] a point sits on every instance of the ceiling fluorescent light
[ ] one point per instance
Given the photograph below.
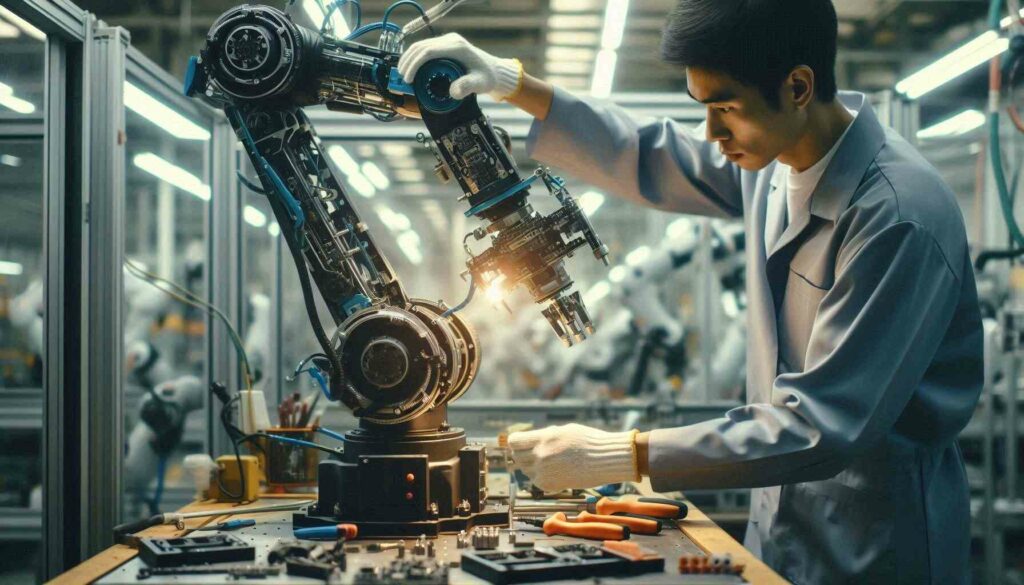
(568, 67)
(957, 125)
(575, 5)
(274, 229)
(172, 174)
(10, 160)
(402, 163)
(618, 274)
(8, 100)
(376, 176)
(254, 217)
(410, 175)
(344, 160)
(614, 24)
(8, 30)
(574, 22)
(569, 54)
(10, 268)
(409, 242)
(953, 65)
(396, 150)
(23, 24)
(590, 202)
(362, 185)
(161, 115)
(604, 74)
(597, 292)
(576, 38)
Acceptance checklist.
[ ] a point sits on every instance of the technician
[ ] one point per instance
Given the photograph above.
(865, 339)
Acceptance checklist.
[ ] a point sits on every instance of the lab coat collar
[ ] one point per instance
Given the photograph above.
(844, 174)
(834, 191)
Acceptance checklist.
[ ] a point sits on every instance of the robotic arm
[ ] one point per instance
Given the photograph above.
(392, 357)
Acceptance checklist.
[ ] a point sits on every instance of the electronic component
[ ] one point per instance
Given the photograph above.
(233, 572)
(718, 564)
(572, 561)
(485, 537)
(315, 561)
(401, 572)
(192, 550)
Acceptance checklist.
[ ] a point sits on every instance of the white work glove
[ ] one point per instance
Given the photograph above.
(485, 73)
(574, 456)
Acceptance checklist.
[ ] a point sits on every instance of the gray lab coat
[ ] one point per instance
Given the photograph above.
(865, 343)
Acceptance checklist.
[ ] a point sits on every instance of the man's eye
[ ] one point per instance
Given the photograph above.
(725, 109)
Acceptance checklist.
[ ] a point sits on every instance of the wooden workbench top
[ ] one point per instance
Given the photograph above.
(697, 527)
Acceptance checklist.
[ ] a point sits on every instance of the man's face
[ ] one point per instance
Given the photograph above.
(750, 131)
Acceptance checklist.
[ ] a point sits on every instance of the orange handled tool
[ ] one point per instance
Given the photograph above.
(635, 525)
(559, 525)
(607, 507)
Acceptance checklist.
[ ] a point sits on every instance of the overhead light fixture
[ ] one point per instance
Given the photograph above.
(343, 159)
(409, 243)
(254, 217)
(402, 163)
(590, 202)
(604, 74)
(638, 256)
(394, 221)
(574, 5)
(274, 229)
(596, 293)
(362, 185)
(23, 24)
(366, 150)
(11, 268)
(568, 67)
(614, 24)
(569, 54)
(575, 38)
(957, 125)
(410, 175)
(172, 174)
(10, 160)
(156, 112)
(375, 175)
(8, 30)
(980, 50)
(9, 100)
(574, 21)
(396, 150)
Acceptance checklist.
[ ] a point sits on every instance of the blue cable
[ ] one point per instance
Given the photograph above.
(464, 303)
(331, 434)
(298, 442)
(317, 375)
(161, 471)
(370, 28)
(413, 3)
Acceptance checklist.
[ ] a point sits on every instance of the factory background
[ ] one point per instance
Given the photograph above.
(85, 339)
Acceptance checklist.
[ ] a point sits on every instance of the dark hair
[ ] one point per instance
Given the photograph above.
(757, 42)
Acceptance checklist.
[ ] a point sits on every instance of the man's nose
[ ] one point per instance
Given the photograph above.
(716, 131)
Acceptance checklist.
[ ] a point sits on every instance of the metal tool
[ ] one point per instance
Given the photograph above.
(559, 525)
(235, 572)
(178, 519)
(230, 524)
(650, 507)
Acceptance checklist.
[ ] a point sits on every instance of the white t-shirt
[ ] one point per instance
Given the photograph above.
(800, 186)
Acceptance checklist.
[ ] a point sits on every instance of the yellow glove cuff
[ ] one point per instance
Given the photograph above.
(519, 82)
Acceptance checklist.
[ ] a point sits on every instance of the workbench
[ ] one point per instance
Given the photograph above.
(697, 533)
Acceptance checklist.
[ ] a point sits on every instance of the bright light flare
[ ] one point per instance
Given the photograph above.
(957, 125)
(172, 174)
(159, 114)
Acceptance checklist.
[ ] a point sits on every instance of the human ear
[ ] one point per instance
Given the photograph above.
(801, 83)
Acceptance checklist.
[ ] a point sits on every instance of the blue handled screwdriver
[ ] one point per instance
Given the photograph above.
(230, 524)
(348, 531)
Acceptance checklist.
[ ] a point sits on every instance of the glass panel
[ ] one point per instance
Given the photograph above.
(22, 342)
(167, 202)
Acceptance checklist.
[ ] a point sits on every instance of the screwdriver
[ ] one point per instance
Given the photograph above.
(348, 531)
(559, 525)
(635, 524)
(651, 507)
(230, 524)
